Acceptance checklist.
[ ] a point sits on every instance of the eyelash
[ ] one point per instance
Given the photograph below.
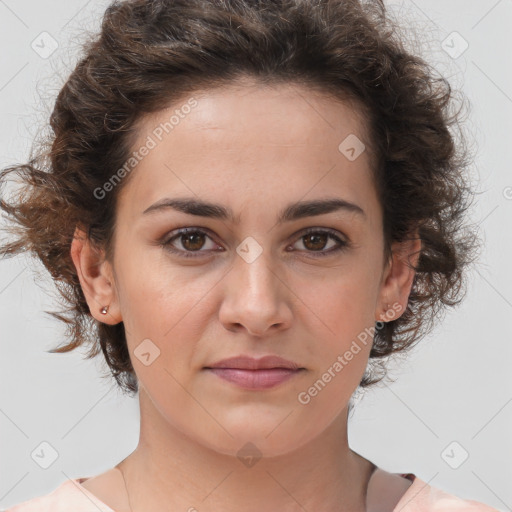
(166, 243)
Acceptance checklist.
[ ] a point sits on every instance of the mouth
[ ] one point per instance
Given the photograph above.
(259, 379)
(248, 372)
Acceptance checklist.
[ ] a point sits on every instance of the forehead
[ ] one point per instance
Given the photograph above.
(250, 142)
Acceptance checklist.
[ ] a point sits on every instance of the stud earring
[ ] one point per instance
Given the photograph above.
(104, 310)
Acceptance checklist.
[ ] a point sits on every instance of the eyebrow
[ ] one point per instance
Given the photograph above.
(293, 211)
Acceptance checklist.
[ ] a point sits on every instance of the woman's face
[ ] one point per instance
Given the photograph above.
(248, 283)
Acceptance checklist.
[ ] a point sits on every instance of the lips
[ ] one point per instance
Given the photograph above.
(255, 374)
(243, 362)
(255, 379)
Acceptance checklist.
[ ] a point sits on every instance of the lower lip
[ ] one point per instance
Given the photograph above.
(255, 379)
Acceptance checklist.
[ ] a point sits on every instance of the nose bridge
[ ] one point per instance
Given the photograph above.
(253, 295)
(254, 274)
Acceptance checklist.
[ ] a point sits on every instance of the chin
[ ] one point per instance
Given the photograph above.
(270, 438)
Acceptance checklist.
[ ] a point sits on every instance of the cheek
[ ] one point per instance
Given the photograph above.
(168, 306)
(346, 297)
(153, 293)
(340, 312)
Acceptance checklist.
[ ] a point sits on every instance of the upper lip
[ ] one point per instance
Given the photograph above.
(251, 363)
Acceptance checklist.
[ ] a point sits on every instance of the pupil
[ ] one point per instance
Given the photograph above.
(320, 240)
(194, 237)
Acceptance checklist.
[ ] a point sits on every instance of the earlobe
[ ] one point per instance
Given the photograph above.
(398, 278)
(96, 279)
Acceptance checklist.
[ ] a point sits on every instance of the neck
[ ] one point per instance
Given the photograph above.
(170, 471)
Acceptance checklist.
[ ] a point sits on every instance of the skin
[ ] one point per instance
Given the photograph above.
(254, 149)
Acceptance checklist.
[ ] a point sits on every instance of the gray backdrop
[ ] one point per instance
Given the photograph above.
(447, 417)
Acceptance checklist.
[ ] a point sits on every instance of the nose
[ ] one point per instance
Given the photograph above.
(256, 298)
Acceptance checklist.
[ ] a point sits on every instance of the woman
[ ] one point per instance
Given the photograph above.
(254, 202)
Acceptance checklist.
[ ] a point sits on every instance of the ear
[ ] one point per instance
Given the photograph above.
(397, 278)
(96, 278)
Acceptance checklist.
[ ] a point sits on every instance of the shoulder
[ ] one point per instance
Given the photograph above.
(422, 497)
(68, 495)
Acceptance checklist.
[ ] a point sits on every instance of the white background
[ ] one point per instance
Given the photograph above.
(455, 386)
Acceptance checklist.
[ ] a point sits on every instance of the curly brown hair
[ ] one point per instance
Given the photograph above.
(150, 53)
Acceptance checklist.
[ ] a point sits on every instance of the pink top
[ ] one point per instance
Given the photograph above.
(419, 497)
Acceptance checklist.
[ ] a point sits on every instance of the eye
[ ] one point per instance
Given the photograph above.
(190, 239)
(316, 239)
